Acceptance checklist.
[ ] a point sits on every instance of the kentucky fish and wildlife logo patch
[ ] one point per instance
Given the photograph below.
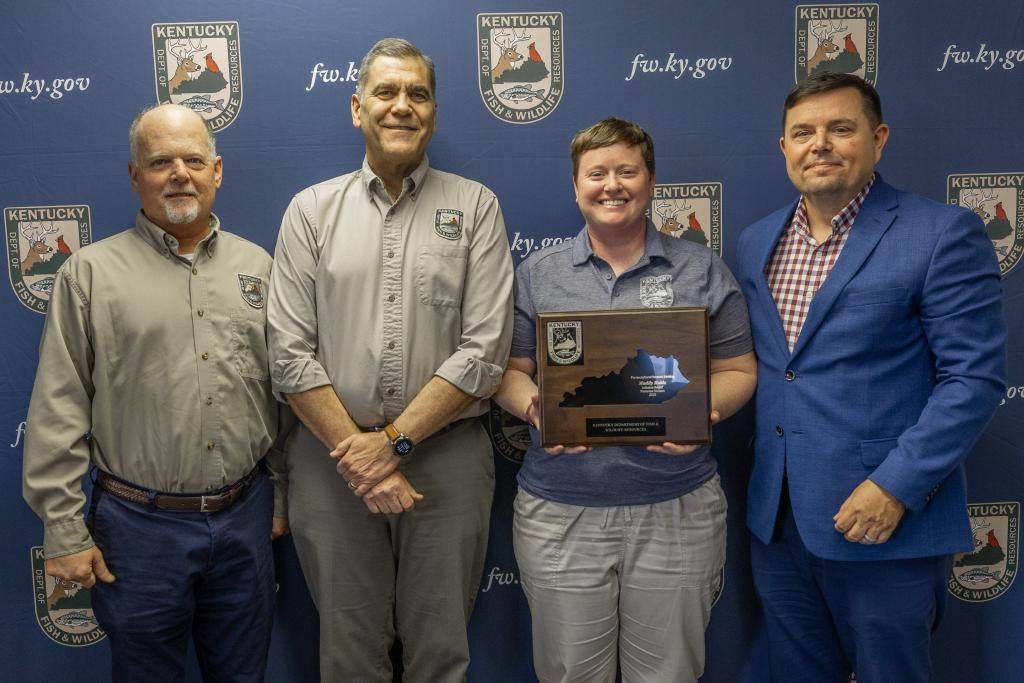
(656, 291)
(199, 65)
(565, 342)
(521, 64)
(690, 211)
(837, 38)
(998, 200)
(987, 571)
(510, 436)
(39, 240)
(252, 290)
(63, 608)
(448, 224)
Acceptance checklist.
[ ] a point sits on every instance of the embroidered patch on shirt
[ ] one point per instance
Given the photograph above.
(448, 224)
(656, 291)
(252, 290)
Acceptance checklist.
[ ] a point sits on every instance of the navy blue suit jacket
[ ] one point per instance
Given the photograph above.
(898, 368)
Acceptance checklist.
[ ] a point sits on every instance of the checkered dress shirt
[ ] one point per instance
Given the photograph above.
(799, 265)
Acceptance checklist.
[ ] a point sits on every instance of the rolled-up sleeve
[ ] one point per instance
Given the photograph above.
(291, 308)
(477, 364)
(56, 454)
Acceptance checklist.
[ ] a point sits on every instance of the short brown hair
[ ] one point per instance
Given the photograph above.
(827, 81)
(609, 132)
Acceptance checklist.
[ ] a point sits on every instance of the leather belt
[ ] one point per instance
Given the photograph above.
(443, 430)
(215, 501)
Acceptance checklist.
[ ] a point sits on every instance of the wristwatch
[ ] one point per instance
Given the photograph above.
(400, 443)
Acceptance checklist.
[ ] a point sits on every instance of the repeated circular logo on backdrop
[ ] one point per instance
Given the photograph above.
(837, 38)
(199, 65)
(689, 211)
(63, 608)
(987, 572)
(39, 240)
(520, 64)
(998, 200)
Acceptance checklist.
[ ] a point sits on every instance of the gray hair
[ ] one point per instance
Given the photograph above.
(133, 131)
(396, 48)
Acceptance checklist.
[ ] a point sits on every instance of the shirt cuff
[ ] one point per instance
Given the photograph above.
(66, 538)
(471, 375)
(296, 376)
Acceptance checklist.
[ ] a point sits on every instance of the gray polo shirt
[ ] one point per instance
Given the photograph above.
(162, 360)
(570, 277)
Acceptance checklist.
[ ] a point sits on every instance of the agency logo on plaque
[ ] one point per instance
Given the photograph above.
(39, 240)
(998, 200)
(199, 65)
(837, 38)
(565, 342)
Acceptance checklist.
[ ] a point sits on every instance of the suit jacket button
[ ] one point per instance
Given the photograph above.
(779, 430)
(790, 375)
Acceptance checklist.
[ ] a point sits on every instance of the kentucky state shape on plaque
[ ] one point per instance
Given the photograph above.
(644, 379)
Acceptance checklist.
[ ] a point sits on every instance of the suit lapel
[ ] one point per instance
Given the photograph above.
(763, 294)
(875, 216)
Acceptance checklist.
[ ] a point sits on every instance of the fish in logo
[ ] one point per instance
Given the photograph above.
(837, 39)
(689, 211)
(510, 436)
(998, 200)
(199, 65)
(63, 607)
(39, 240)
(521, 64)
(987, 571)
(565, 342)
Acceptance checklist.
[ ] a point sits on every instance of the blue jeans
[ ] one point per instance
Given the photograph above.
(208, 575)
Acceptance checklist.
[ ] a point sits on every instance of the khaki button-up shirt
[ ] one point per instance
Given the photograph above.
(376, 296)
(152, 367)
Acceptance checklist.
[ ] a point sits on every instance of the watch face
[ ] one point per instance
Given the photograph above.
(403, 446)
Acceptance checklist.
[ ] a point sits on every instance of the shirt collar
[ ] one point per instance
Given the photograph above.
(411, 184)
(653, 246)
(166, 243)
(843, 220)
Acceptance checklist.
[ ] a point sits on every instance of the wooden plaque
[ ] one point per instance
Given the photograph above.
(625, 377)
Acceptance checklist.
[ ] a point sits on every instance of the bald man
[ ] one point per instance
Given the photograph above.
(153, 370)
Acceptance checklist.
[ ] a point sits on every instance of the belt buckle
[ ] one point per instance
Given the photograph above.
(202, 503)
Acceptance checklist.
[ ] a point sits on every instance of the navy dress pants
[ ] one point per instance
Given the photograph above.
(826, 618)
(208, 576)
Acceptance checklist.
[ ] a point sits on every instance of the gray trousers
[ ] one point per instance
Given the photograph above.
(629, 586)
(414, 574)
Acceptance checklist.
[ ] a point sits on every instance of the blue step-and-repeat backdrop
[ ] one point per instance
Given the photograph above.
(705, 78)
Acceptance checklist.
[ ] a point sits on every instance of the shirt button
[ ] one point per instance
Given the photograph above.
(779, 430)
(209, 445)
(200, 313)
(205, 356)
(391, 297)
(790, 375)
(608, 276)
(391, 254)
(391, 392)
(391, 345)
(209, 400)
(195, 271)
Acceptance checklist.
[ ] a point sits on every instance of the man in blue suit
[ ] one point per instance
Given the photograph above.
(877, 322)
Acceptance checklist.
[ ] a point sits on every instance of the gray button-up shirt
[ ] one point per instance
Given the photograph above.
(376, 297)
(161, 360)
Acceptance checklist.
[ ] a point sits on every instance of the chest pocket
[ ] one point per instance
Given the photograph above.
(440, 275)
(249, 344)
